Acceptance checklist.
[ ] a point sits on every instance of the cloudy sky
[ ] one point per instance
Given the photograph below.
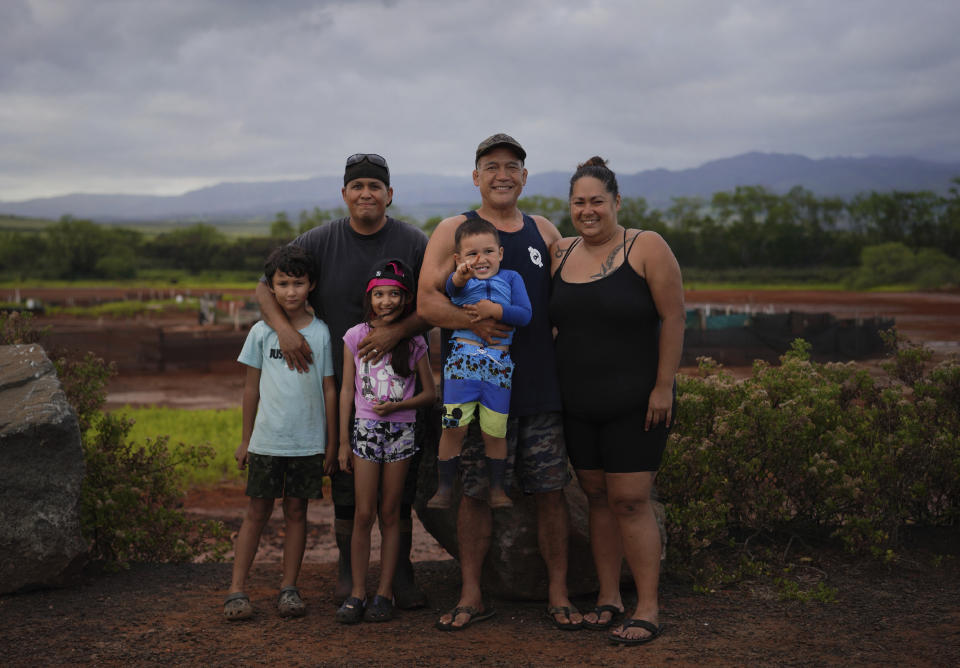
(163, 96)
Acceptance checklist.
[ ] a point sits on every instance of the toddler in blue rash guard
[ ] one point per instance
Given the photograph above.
(476, 376)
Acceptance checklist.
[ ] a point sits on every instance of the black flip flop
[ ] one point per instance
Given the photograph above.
(598, 611)
(654, 630)
(475, 616)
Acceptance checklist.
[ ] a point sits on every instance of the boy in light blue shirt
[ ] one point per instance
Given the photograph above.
(289, 418)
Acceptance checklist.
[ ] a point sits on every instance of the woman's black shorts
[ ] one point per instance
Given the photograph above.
(618, 445)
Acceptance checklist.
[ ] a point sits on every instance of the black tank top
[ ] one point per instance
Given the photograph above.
(607, 342)
(535, 384)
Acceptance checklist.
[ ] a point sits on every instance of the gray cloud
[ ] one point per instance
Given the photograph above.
(138, 96)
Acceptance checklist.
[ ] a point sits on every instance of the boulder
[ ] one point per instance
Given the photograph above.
(42, 470)
(514, 568)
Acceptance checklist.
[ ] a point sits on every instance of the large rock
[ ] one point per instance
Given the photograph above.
(41, 473)
(514, 568)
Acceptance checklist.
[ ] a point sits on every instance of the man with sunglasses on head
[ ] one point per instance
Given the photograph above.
(344, 251)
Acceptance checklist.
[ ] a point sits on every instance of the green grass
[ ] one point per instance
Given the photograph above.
(183, 278)
(832, 279)
(233, 229)
(824, 286)
(219, 429)
(152, 278)
(751, 285)
(759, 278)
(124, 308)
(23, 223)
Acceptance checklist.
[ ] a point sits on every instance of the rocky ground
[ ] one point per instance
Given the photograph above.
(905, 614)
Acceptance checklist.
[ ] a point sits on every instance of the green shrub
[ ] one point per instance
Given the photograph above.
(18, 328)
(129, 508)
(891, 263)
(120, 264)
(895, 264)
(824, 451)
(936, 270)
(125, 308)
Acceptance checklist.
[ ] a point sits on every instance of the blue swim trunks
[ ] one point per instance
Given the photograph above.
(477, 376)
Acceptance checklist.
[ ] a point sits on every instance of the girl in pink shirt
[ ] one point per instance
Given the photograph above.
(376, 443)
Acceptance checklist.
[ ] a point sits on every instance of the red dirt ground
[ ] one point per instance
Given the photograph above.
(171, 615)
(906, 613)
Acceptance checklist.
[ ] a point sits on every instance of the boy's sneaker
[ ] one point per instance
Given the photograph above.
(289, 603)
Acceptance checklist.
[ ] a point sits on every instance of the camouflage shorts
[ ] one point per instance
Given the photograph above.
(536, 456)
(270, 477)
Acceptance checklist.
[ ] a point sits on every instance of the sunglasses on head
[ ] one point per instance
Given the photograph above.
(372, 158)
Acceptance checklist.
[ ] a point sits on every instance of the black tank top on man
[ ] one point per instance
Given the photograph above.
(608, 341)
(535, 385)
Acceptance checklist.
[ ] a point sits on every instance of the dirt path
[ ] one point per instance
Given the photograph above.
(166, 615)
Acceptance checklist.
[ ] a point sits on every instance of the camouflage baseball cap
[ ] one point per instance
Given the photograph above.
(500, 139)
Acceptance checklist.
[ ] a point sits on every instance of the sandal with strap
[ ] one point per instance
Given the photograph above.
(351, 611)
(476, 615)
(654, 630)
(379, 610)
(566, 611)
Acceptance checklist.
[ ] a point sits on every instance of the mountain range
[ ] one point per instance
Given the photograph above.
(423, 195)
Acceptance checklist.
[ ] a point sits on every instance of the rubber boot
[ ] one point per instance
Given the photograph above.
(343, 530)
(446, 472)
(496, 470)
(406, 594)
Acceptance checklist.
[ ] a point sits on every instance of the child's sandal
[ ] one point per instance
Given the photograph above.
(351, 611)
(379, 610)
(289, 603)
(237, 606)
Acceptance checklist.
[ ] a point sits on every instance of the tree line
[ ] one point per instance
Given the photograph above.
(73, 249)
(877, 237)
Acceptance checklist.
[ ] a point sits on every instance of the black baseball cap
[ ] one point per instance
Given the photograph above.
(366, 166)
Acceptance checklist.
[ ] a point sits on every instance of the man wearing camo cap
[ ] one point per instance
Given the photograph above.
(536, 450)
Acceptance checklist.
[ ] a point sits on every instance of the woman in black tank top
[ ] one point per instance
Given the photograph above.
(617, 304)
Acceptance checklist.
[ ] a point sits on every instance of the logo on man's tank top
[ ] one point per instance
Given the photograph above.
(535, 256)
